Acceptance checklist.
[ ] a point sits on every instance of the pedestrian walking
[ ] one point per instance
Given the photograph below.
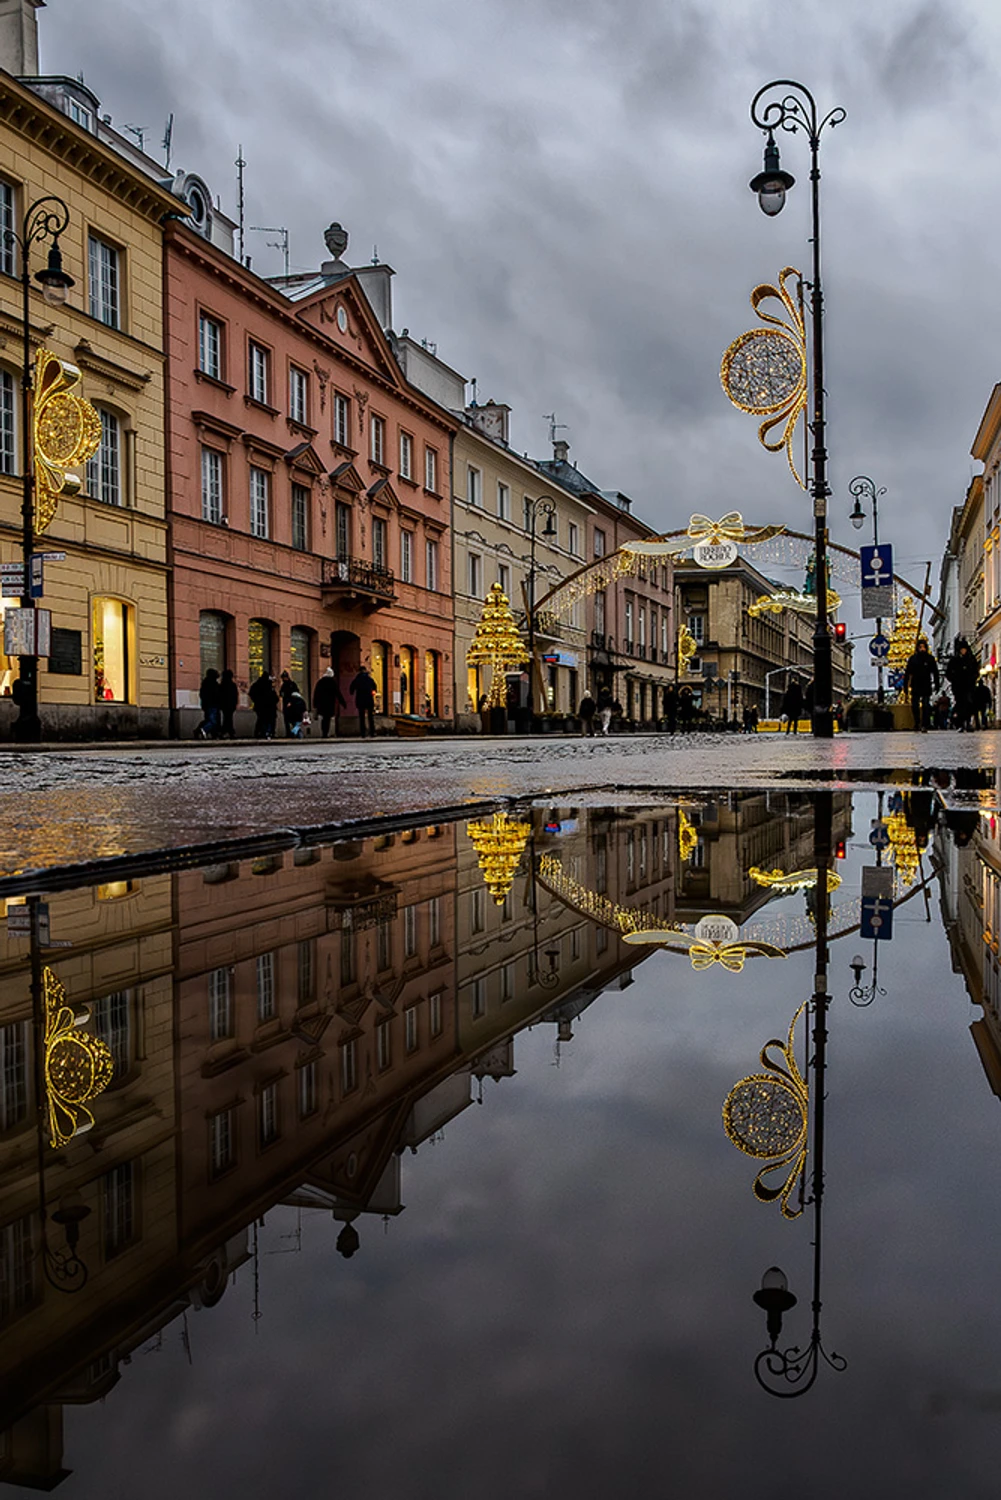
(983, 704)
(208, 697)
(587, 708)
(327, 701)
(671, 709)
(962, 675)
(686, 708)
(286, 688)
(295, 715)
(604, 706)
(364, 689)
(229, 697)
(792, 706)
(265, 702)
(921, 679)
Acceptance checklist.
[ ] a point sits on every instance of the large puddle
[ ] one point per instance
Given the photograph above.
(449, 1163)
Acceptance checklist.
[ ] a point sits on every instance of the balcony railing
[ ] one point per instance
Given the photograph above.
(354, 582)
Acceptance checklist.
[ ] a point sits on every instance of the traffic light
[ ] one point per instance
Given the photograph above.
(839, 849)
(839, 630)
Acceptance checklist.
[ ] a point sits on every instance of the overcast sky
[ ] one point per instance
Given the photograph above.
(561, 187)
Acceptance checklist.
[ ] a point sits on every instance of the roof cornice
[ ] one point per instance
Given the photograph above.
(990, 423)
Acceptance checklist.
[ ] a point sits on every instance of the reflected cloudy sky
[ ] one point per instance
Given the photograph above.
(562, 190)
(564, 1307)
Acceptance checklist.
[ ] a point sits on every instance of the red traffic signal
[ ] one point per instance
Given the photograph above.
(839, 630)
(839, 849)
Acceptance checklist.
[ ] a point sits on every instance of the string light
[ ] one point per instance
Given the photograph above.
(764, 370)
(765, 1116)
(78, 1066)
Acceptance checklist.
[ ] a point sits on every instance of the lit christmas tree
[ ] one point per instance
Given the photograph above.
(497, 643)
(903, 638)
(500, 843)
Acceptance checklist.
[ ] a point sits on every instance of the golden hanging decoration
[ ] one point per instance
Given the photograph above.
(903, 847)
(704, 953)
(66, 431)
(726, 535)
(499, 843)
(688, 837)
(765, 1115)
(799, 880)
(764, 370)
(497, 643)
(592, 578)
(78, 1066)
(590, 903)
(792, 599)
(687, 647)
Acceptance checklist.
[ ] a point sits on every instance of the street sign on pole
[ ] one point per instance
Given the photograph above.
(877, 903)
(36, 581)
(879, 836)
(27, 632)
(50, 556)
(877, 582)
(19, 921)
(879, 648)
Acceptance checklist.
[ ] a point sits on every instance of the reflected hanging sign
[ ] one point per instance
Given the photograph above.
(877, 903)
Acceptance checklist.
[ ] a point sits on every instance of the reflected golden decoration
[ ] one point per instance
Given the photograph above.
(688, 837)
(765, 1116)
(764, 370)
(687, 648)
(704, 954)
(78, 1066)
(624, 919)
(497, 644)
(792, 599)
(799, 880)
(903, 847)
(499, 843)
(66, 431)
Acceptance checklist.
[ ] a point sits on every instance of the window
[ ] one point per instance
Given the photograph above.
(221, 1144)
(599, 543)
(211, 486)
(104, 470)
(347, 958)
(431, 565)
(479, 999)
(298, 395)
(258, 648)
(112, 644)
(474, 485)
(642, 620)
(13, 1074)
(305, 972)
(258, 374)
(259, 487)
(504, 578)
(406, 456)
(431, 469)
(265, 986)
(220, 1005)
(407, 556)
(409, 931)
(379, 548)
(503, 501)
(507, 982)
(349, 1067)
(477, 914)
(342, 420)
(17, 1268)
(267, 1114)
(475, 574)
(118, 1208)
(434, 1013)
(210, 346)
(342, 521)
(410, 1037)
(300, 518)
(664, 649)
(377, 434)
(383, 1046)
(599, 613)
(507, 908)
(434, 921)
(103, 263)
(384, 946)
(697, 625)
(8, 264)
(629, 624)
(113, 1024)
(573, 542)
(80, 115)
(8, 424)
(308, 1095)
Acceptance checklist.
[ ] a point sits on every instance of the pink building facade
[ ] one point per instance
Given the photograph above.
(307, 487)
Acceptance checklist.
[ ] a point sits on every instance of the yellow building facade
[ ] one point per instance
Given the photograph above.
(107, 672)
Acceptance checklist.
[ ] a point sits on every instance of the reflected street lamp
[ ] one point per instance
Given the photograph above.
(795, 109)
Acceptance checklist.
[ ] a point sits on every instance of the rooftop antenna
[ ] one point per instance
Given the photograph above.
(168, 136)
(139, 131)
(375, 255)
(281, 244)
(240, 200)
(473, 383)
(554, 426)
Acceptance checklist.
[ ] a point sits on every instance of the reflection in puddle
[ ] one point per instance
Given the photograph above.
(271, 1037)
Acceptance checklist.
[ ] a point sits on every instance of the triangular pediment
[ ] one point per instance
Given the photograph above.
(346, 477)
(382, 493)
(309, 461)
(344, 315)
(354, 1169)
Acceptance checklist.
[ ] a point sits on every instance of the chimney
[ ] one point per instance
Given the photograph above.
(492, 418)
(561, 451)
(19, 37)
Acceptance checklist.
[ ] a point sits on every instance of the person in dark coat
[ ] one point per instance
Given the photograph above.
(208, 697)
(364, 689)
(962, 674)
(229, 697)
(686, 708)
(983, 705)
(286, 688)
(327, 699)
(792, 706)
(671, 709)
(295, 712)
(587, 708)
(604, 707)
(265, 702)
(921, 679)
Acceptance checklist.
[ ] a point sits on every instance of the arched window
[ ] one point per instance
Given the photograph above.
(430, 704)
(299, 654)
(212, 640)
(104, 470)
(114, 650)
(381, 657)
(408, 686)
(259, 648)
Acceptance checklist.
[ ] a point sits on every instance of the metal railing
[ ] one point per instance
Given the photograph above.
(357, 573)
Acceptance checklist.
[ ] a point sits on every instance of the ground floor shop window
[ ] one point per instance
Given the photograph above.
(380, 671)
(113, 628)
(408, 671)
(431, 706)
(473, 689)
(258, 648)
(212, 640)
(299, 658)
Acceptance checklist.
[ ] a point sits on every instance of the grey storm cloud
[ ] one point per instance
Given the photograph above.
(561, 187)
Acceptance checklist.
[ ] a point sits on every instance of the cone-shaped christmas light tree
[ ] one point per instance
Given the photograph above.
(497, 643)
(904, 636)
(500, 842)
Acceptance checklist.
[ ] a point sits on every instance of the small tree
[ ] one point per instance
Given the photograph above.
(497, 643)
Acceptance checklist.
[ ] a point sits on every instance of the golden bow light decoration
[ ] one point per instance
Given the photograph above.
(765, 1116)
(799, 880)
(704, 953)
(499, 843)
(764, 370)
(66, 431)
(687, 647)
(78, 1066)
(792, 599)
(724, 536)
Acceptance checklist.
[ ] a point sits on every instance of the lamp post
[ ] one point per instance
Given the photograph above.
(45, 219)
(793, 111)
(545, 505)
(860, 488)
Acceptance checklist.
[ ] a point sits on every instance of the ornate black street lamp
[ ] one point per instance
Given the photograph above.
(863, 488)
(545, 505)
(793, 111)
(46, 219)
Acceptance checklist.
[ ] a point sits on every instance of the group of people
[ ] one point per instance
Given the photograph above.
(603, 708)
(219, 697)
(972, 701)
